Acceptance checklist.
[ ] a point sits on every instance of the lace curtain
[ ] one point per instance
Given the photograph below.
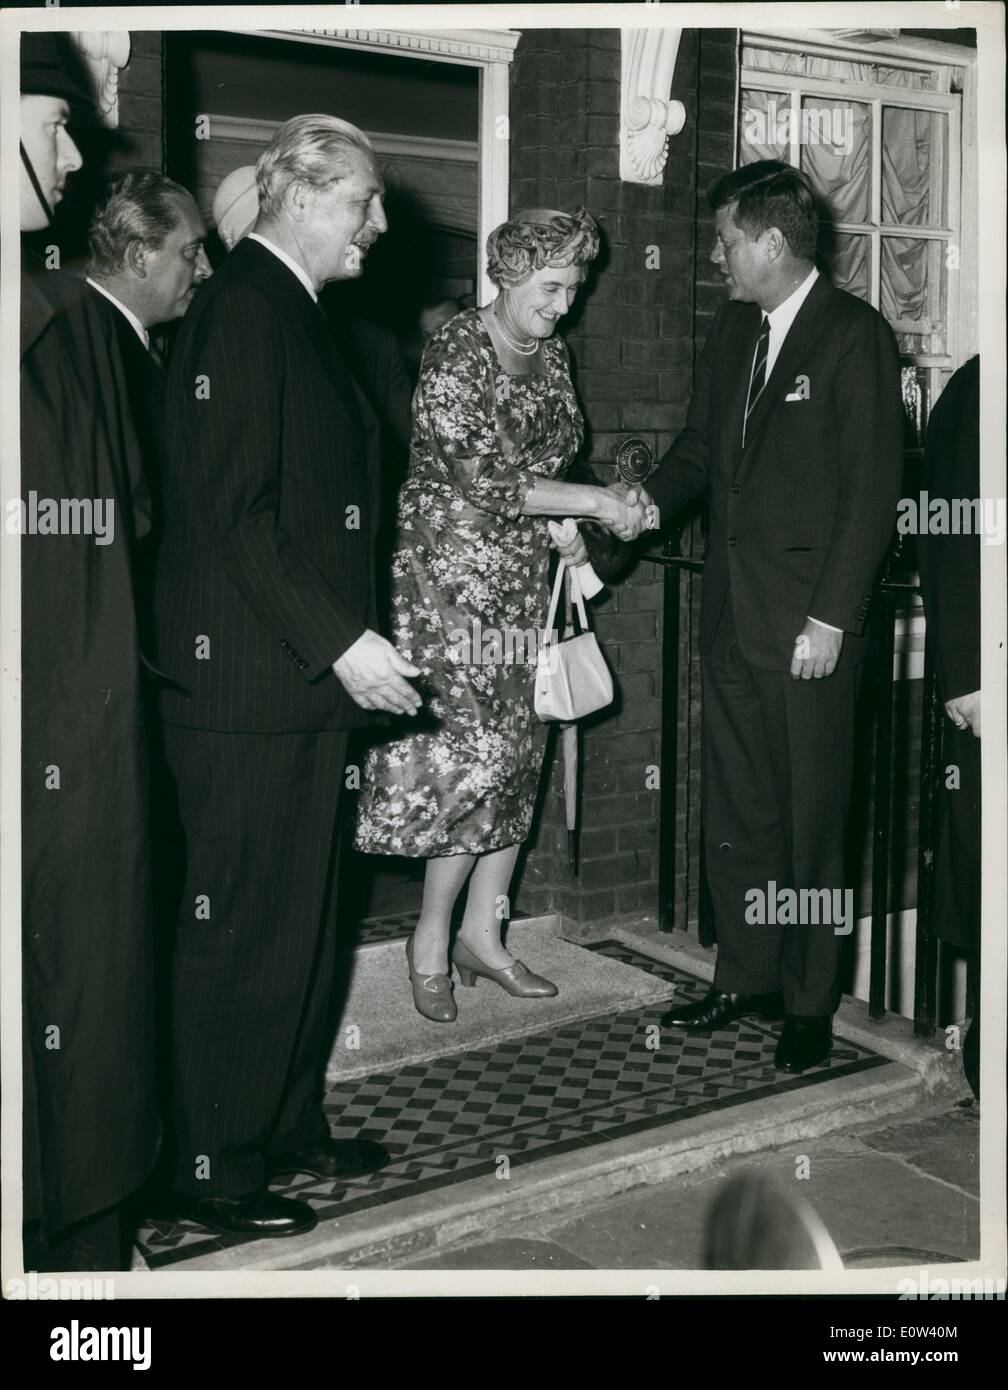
(835, 143)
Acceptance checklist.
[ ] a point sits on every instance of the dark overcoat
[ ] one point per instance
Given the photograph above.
(950, 588)
(91, 1131)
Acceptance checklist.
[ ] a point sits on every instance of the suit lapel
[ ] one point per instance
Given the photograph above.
(800, 335)
(331, 355)
(284, 286)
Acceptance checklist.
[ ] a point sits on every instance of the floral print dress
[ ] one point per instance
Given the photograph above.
(470, 596)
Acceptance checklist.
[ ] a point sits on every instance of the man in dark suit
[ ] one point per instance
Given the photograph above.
(795, 432)
(145, 263)
(264, 613)
(950, 587)
(90, 1124)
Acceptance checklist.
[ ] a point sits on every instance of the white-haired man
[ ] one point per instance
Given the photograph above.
(264, 617)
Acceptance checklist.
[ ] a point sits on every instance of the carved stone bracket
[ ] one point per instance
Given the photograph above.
(104, 52)
(647, 114)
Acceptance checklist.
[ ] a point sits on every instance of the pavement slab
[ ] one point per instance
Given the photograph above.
(882, 1210)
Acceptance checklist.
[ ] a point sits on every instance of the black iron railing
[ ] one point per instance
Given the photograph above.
(891, 589)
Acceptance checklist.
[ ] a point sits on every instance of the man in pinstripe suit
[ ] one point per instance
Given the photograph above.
(264, 615)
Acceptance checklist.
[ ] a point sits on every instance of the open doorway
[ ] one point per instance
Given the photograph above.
(229, 91)
(227, 94)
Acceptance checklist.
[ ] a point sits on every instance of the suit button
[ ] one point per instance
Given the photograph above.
(735, 488)
(732, 540)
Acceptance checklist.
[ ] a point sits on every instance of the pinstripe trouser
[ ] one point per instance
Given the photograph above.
(252, 974)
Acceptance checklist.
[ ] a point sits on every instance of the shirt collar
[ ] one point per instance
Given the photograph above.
(785, 314)
(126, 312)
(288, 261)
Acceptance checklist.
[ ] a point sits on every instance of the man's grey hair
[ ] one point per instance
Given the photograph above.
(139, 206)
(311, 149)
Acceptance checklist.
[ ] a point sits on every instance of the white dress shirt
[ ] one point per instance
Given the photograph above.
(127, 313)
(288, 261)
(784, 316)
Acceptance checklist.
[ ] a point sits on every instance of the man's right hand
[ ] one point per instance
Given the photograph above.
(624, 511)
(373, 674)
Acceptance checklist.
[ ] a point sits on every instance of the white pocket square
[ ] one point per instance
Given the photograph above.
(801, 390)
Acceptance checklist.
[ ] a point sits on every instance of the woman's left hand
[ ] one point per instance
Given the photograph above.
(568, 541)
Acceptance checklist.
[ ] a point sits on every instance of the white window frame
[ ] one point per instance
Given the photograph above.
(489, 50)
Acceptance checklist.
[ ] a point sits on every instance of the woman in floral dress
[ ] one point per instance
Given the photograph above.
(495, 426)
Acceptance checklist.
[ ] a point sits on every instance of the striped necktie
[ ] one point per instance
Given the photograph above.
(758, 379)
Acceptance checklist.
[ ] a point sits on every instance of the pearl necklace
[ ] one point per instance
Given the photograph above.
(515, 347)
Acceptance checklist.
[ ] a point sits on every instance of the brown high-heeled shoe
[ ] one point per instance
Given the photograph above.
(432, 994)
(516, 979)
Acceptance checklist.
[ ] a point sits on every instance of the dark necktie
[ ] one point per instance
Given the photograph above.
(758, 380)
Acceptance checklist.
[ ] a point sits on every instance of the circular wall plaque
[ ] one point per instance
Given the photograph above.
(634, 460)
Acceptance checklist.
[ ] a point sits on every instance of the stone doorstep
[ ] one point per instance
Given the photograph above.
(479, 1207)
(378, 999)
(412, 1227)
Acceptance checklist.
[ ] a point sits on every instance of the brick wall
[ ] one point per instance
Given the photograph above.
(632, 337)
(141, 102)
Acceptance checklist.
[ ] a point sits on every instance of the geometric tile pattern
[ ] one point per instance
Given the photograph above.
(389, 926)
(584, 1083)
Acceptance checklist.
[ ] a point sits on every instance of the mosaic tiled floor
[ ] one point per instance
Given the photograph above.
(584, 1083)
(387, 927)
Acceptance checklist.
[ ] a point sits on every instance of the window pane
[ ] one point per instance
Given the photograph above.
(907, 77)
(913, 292)
(914, 161)
(765, 117)
(836, 155)
(846, 258)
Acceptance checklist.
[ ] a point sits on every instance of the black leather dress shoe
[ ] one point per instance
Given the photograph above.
(333, 1158)
(262, 1213)
(716, 1009)
(804, 1042)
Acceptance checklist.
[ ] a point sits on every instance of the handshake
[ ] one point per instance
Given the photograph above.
(626, 511)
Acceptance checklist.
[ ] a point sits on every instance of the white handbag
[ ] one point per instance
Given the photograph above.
(572, 678)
